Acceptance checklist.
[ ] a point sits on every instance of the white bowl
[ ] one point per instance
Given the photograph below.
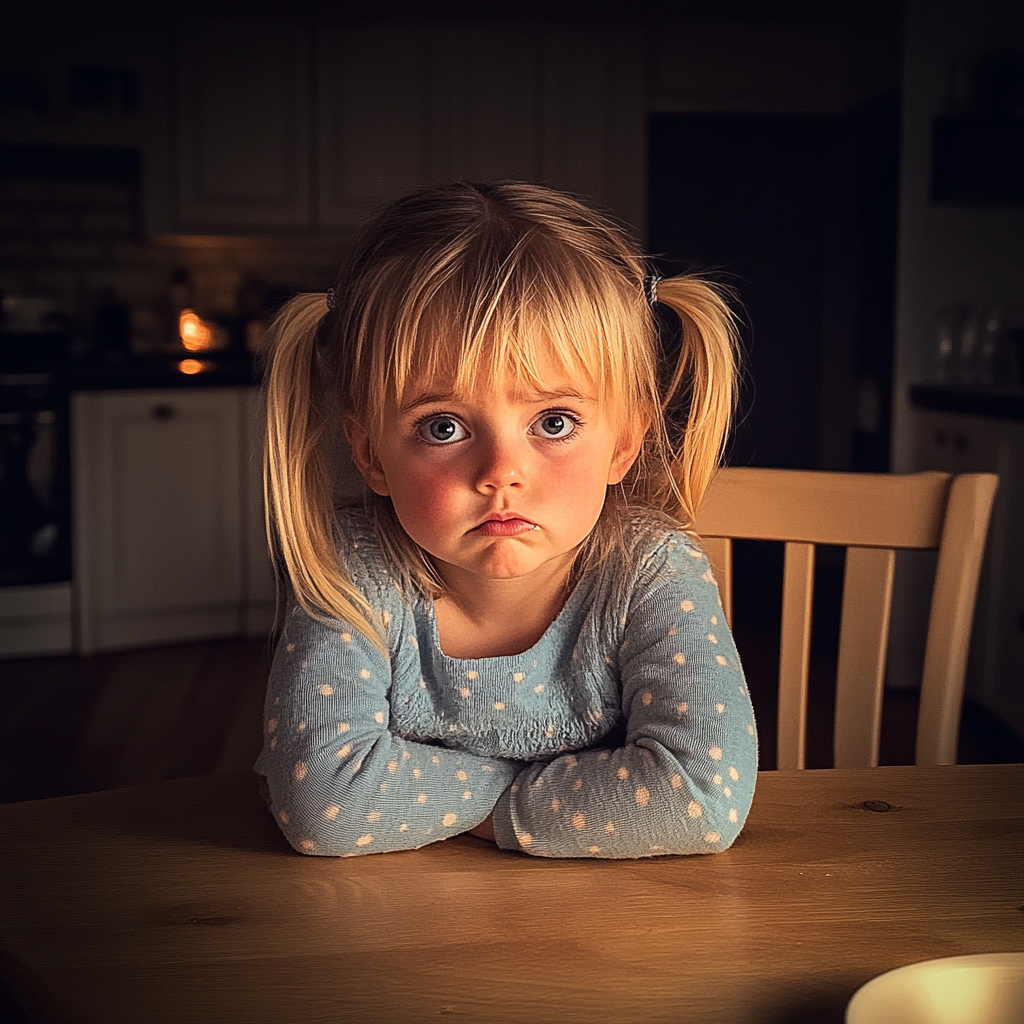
(984, 989)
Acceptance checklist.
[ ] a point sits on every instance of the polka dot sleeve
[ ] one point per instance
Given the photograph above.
(340, 782)
(683, 780)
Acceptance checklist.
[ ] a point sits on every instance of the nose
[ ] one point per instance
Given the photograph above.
(501, 466)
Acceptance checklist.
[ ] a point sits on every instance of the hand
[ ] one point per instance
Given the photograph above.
(485, 830)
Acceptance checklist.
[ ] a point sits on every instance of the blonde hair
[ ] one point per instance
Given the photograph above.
(477, 279)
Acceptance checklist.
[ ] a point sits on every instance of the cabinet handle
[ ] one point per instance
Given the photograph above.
(162, 412)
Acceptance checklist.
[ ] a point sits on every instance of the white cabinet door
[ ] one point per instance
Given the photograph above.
(958, 443)
(373, 128)
(406, 104)
(397, 104)
(157, 516)
(243, 133)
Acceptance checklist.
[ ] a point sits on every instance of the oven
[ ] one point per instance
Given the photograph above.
(35, 497)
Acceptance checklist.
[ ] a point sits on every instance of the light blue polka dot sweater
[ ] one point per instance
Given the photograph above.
(626, 731)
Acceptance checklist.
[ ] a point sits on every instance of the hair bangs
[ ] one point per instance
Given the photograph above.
(508, 319)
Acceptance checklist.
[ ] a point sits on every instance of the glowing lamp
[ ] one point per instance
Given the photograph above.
(195, 333)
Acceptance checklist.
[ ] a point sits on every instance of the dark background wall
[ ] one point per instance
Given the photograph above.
(752, 139)
(768, 129)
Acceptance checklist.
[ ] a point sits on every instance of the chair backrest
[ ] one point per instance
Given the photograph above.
(872, 515)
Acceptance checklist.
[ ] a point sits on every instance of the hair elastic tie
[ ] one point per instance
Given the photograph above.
(329, 296)
(651, 287)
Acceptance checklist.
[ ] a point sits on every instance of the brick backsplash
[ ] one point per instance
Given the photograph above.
(81, 243)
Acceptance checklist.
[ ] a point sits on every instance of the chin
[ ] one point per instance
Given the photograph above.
(498, 564)
(504, 571)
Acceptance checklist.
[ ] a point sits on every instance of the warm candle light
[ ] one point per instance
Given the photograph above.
(191, 366)
(195, 333)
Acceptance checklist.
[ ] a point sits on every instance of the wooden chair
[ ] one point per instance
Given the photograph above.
(871, 515)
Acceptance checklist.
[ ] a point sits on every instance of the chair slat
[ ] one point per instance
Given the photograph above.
(795, 653)
(863, 641)
(953, 599)
(864, 509)
(719, 550)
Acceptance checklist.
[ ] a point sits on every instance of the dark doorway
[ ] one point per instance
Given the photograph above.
(798, 214)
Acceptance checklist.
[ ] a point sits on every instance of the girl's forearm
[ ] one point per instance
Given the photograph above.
(340, 782)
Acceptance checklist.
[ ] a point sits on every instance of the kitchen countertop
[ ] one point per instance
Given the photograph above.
(163, 372)
(135, 374)
(1004, 404)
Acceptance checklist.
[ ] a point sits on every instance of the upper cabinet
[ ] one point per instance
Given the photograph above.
(373, 124)
(595, 119)
(487, 109)
(305, 128)
(243, 124)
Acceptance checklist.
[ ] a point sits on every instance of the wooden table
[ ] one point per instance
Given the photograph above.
(180, 902)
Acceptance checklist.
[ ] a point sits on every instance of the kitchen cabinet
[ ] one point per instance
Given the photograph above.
(404, 106)
(243, 125)
(35, 619)
(595, 118)
(959, 443)
(373, 128)
(486, 100)
(283, 126)
(167, 517)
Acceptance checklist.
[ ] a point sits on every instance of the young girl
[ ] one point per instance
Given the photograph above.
(515, 635)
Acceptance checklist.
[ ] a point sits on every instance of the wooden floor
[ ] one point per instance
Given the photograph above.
(71, 725)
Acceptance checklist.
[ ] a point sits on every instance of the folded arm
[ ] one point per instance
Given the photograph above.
(340, 782)
(684, 778)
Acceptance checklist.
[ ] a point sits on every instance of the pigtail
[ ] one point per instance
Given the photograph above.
(705, 373)
(298, 478)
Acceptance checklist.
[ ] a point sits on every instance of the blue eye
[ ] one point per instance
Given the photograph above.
(555, 425)
(441, 430)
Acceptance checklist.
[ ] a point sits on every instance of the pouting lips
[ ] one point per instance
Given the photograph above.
(505, 527)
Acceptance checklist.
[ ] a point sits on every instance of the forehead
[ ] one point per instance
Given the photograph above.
(525, 368)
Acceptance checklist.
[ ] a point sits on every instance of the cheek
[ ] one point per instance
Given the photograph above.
(424, 497)
(583, 483)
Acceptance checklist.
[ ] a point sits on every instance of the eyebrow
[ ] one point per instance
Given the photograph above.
(429, 398)
(534, 395)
